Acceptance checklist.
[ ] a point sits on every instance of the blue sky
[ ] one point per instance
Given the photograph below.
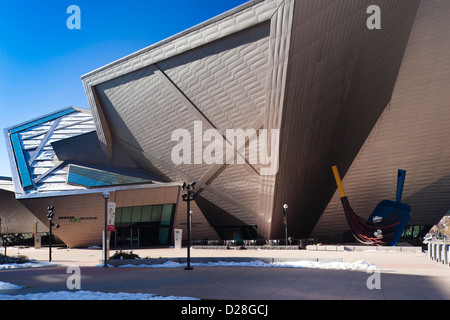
(41, 60)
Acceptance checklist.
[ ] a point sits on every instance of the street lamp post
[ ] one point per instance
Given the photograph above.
(51, 224)
(105, 259)
(190, 225)
(285, 207)
(188, 197)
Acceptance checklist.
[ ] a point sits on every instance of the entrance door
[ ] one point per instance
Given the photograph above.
(123, 237)
(148, 235)
(134, 237)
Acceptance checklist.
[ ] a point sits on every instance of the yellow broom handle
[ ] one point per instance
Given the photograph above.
(338, 181)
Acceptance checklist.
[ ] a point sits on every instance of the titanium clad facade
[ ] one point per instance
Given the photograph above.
(334, 92)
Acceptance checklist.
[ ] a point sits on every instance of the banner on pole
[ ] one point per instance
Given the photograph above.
(111, 216)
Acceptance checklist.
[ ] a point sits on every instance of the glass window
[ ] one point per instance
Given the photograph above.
(134, 236)
(146, 214)
(156, 213)
(416, 230)
(136, 214)
(163, 235)
(126, 216)
(144, 225)
(166, 215)
(21, 162)
(123, 237)
(118, 217)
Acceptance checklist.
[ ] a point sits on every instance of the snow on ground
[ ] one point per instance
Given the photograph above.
(9, 286)
(358, 265)
(25, 265)
(90, 295)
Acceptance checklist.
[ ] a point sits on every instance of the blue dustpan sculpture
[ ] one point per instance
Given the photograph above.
(392, 217)
(386, 223)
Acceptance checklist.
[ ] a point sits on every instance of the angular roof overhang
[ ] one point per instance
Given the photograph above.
(29, 145)
(51, 155)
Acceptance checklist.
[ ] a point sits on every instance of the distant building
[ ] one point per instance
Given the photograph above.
(333, 90)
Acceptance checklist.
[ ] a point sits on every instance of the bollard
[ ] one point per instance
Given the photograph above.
(438, 253)
(445, 254)
(448, 255)
(433, 251)
(430, 250)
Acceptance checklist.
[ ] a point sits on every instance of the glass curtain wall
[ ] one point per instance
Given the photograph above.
(143, 226)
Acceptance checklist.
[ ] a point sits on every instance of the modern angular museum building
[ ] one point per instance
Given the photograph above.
(255, 105)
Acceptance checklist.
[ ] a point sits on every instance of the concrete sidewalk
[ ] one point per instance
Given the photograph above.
(404, 275)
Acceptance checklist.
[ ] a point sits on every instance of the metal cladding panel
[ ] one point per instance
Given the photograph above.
(340, 78)
(412, 134)
(86, 149)
(224, 81)
(142, 113)
(201, 226)
(242, 186)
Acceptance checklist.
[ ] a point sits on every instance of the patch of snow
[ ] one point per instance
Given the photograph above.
(358, 265)
(9, 266)
(90, 295)
(9, 286)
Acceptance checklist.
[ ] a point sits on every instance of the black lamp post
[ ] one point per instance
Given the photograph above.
(188, 197)
(285, 207)
(105, 196)
(51, 224)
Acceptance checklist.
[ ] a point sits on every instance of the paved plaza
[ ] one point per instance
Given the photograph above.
(404, 275)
